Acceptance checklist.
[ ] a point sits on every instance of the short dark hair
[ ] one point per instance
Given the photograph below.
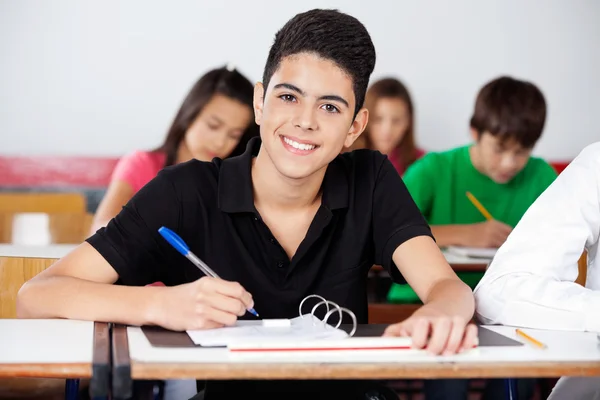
(510, 109)
(331, 35)
(225, 81)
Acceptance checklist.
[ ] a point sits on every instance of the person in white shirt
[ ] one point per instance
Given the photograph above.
(531, 281)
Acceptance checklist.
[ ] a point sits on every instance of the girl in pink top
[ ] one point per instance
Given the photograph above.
(391, 123)
(215, 120)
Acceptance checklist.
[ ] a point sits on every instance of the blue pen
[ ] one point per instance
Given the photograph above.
(177, 242)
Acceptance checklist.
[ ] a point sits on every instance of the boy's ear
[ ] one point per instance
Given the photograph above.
(258, 102)
(358, 126)
(475, 134)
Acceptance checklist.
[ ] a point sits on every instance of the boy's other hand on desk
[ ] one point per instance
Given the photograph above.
(435, 332)
(490, 233)
(204, 304)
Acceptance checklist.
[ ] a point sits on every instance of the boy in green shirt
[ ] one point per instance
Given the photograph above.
(497, 168)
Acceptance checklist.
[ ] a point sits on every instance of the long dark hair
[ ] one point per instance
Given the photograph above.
(228, 82)
(393, 88)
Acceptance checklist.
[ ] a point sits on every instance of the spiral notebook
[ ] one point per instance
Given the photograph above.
(306, 332)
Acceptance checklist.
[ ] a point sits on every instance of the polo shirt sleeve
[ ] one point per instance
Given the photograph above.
(131, 243)
(396, 217)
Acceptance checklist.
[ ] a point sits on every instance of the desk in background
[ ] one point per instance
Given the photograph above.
(18, 264)
(379, 283)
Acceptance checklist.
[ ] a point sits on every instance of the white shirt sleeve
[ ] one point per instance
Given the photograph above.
(530, 282)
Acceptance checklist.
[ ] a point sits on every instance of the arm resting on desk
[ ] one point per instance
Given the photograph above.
(441, 324)
(65, 290)
(426, 270)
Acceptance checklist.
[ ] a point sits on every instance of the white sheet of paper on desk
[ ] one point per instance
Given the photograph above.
(300, 329)
(473, 252)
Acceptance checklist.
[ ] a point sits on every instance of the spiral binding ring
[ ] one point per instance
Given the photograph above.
(326, 302)
(308, 297)
(329, 312)
(341, 309)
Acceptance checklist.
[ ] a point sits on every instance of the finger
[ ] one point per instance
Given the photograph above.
(470, 338)
(504, 234)
(455, 339)
(201, 324)
(499, 238)
(498, 241)
(399, 329)
(503, 228)
(220, 302)
(420, 333)
(227, 288)
(209, 313)
(439, 336)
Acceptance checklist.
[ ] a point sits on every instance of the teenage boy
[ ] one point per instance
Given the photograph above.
(288, 218)
(498, 169)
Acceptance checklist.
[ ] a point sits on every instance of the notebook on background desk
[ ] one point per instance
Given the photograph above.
(472, 252)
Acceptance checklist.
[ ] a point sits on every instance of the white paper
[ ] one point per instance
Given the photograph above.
(300, 329)
(473, 252)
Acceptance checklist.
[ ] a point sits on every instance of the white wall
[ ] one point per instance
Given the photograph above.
(104, 78)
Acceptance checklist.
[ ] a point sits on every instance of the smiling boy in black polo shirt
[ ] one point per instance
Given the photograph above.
(288, 218)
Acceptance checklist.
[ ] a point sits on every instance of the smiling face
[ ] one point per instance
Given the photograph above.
(306, 115)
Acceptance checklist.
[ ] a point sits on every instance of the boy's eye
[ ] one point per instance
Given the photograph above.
(287, 97)
(330, 108)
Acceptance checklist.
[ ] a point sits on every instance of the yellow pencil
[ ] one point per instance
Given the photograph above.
(531, 340)
(479, 206)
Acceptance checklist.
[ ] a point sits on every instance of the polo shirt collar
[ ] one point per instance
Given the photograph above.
(235, 194)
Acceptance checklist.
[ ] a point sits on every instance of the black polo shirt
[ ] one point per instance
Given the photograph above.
(366, 213)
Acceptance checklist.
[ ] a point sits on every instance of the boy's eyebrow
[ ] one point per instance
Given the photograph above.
(334, 97)
(291, 87)
(296, 89)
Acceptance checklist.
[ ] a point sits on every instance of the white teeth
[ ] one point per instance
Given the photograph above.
(299, 146)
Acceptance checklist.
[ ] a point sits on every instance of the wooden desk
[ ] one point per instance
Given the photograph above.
(36, 355)
(44, 228)
(18, 264)
(53, 251)
(568, 354)
(53, 348)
